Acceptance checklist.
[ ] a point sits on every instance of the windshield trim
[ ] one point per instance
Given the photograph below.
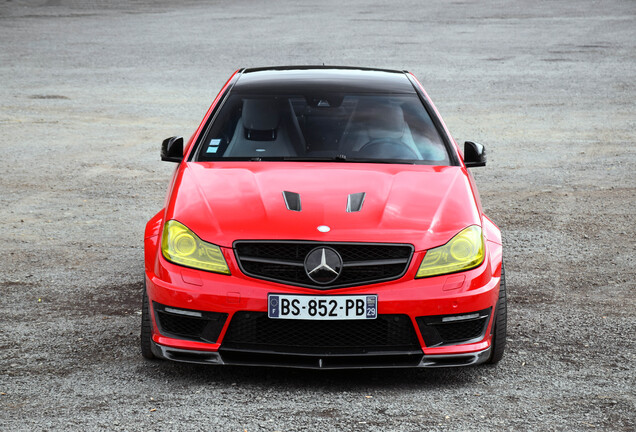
(325, 160)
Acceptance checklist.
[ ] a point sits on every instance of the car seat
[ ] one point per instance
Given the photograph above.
(376, 122)
(260, 132)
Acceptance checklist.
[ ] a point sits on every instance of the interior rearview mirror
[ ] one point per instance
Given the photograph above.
(474, 154)
(172, 149)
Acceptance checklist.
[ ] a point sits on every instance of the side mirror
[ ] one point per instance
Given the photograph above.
(474, 154)
(172, 149)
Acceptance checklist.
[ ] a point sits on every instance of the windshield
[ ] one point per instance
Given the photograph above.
(342, 127)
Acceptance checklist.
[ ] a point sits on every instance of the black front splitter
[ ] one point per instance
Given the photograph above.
(376, 360)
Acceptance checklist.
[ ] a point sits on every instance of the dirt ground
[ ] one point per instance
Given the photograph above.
(87, 93)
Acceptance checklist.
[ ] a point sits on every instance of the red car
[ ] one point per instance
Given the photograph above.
(323, 217)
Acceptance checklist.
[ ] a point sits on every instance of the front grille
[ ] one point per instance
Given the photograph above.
(436, 332)
(204, 328)
(256, 332)
(363, 263)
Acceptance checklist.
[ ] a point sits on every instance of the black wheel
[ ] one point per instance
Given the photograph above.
(146, 328)
(499, 334)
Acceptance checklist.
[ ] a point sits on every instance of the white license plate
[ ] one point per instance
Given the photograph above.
(308, 307)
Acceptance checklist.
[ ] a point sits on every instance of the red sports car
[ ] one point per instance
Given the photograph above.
(323, 217)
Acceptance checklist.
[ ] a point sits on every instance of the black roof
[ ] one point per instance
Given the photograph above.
(321, 79)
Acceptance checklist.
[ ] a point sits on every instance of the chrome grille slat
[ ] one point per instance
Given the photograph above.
(375, 262)
(272, 261)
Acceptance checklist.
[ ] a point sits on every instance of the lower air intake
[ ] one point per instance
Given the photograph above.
(254, 331)
(438, 330)
(184, 324)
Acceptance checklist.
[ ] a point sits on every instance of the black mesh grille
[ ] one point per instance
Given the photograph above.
(179, 325)
(205, 328)
(461, 330)
(255, 331)
(436, 332)
(284, 262)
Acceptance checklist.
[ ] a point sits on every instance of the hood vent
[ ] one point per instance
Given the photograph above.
(355, 201)
(292, 201)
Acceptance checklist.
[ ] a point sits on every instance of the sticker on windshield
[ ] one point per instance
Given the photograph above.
(213, 147)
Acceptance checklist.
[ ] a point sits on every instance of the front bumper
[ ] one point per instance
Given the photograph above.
(415, 299)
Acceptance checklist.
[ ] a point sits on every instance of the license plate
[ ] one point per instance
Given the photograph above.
(307, 307)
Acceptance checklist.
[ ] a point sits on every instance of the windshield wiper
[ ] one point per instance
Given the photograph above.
(343, 158)
(339, 158)
(383, 161)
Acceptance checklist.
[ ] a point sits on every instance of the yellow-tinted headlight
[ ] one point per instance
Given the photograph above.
(181, 246)
(465, 251)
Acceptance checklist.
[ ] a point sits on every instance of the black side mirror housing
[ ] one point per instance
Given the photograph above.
(474, 154)
(172, 149)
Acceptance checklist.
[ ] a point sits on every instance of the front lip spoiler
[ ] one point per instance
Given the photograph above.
(216, 358)
(454, 360)
(187, 356)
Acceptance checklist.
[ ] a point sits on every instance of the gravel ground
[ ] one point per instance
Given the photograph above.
(89, 91)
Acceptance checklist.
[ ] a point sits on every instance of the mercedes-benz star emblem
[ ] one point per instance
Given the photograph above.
(323, 265)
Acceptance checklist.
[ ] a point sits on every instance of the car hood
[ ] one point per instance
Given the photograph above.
(417, 204)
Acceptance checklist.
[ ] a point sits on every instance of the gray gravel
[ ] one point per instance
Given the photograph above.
(87, 93)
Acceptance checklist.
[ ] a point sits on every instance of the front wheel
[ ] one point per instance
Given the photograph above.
(146, 328)
(499, 334)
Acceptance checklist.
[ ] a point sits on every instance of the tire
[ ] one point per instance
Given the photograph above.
(499, 334)
(146, 328)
